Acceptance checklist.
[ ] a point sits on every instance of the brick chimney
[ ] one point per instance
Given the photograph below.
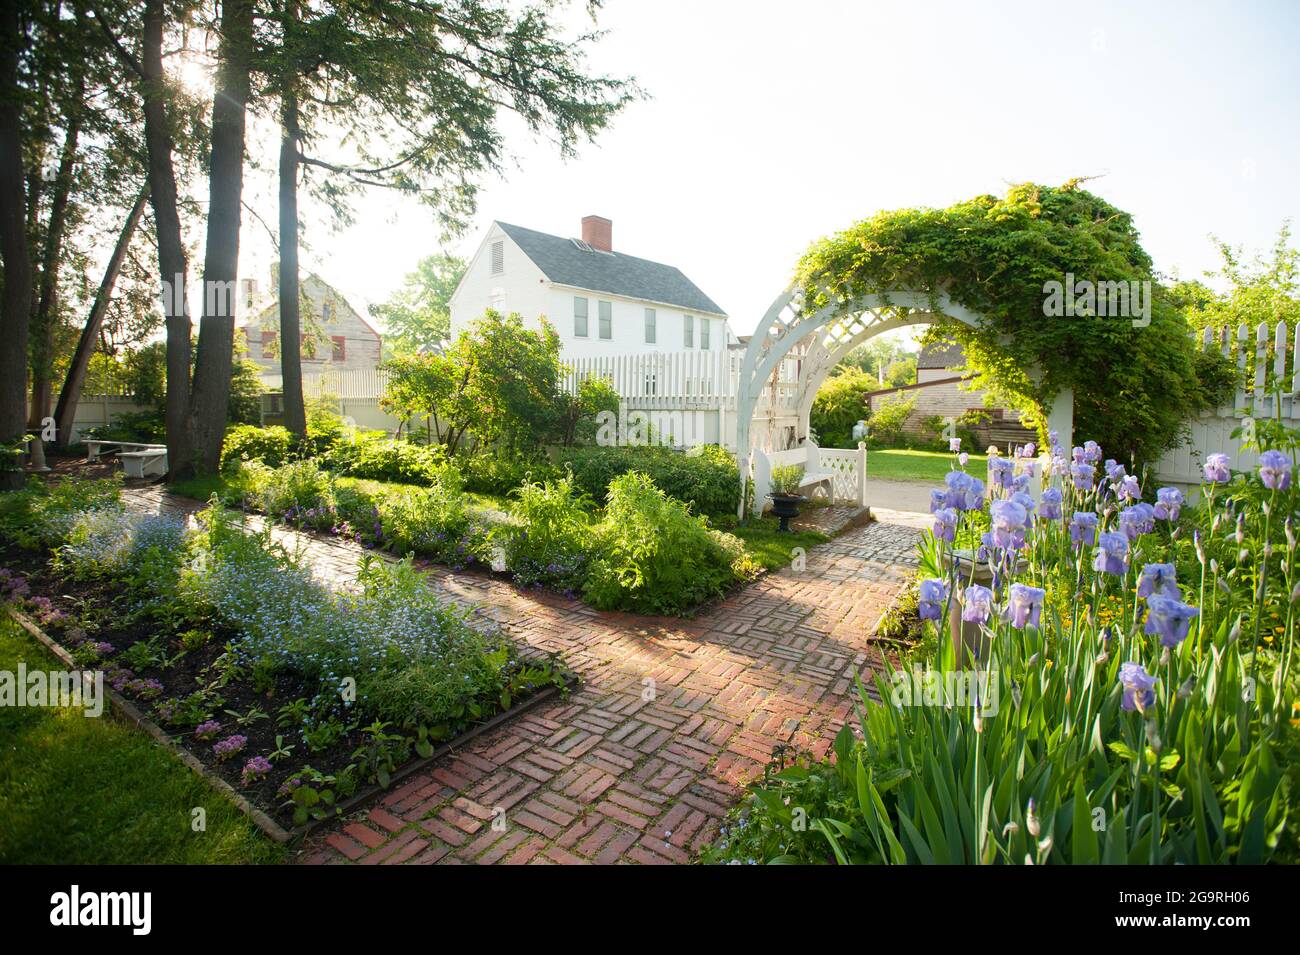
(597, 232)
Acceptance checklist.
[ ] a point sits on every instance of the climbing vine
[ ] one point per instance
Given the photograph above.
(1135, 381)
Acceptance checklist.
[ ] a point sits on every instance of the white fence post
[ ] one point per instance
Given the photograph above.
(862, 474)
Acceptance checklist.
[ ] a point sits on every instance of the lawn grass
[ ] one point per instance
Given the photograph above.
(769, 546)
(901, 464)
(77, 790)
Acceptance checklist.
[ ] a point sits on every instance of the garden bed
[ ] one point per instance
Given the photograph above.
(260, 709)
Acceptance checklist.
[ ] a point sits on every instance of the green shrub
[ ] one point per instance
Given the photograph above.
(889, 417)
(435, 522)
(839, 406)
(706, 477)
(503, 471)
(272, 446)
(654, 556)
(374, 455)
(551, 545)
(299, 486)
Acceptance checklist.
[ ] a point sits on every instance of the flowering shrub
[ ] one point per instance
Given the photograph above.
(1136, 682)
(653, 556)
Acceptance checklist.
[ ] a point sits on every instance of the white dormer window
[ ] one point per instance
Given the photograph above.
(326, 312)
(498, 257)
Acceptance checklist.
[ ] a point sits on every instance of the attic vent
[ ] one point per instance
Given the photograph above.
(498, 258)
(582, 245)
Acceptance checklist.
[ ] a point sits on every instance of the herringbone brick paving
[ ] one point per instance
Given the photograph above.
(642, 760)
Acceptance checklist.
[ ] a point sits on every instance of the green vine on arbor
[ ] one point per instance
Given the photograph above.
(1135, 383)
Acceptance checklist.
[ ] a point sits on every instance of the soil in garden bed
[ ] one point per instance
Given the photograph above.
(98, 611)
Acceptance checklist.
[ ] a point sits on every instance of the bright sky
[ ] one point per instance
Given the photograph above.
(771, 124)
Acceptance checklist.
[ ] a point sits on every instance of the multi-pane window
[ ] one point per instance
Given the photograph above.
(579, 317)
(340, 350)
(650, 326)
(704, 332)
(606, 311)
(269, 344)
(498, 257)
(688, 332)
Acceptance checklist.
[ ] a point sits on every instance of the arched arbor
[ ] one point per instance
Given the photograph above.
(822, 338)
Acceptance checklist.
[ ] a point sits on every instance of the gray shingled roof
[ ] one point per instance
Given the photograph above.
(941, 355)
(616, 273)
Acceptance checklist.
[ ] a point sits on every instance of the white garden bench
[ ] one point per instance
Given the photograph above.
(815, 475)
(142, 464)
(96, 446)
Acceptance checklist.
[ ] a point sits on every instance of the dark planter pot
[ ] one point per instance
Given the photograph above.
(13, 480)
(786, 506)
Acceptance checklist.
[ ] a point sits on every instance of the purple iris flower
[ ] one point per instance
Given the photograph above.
(1054, 439)
(1275, 470)
(1083, 529)
(954, 445)
(1008, 519)
(1128, 488)
(1083, 475)
(933, 595)
(1112, 548)
(1001, 471)
(977, 604)
(1170, 618)
(1159, 579)
(1049, 508)
(1169, 502)
(972, 494)
(1139, 687)
(957, 482)
(1216, 468)
(963, 458)
(1114, 470)
(938, 499)
(1078, 455)
(1091, 452)
(1025, 605)
(1137, 520)
(945, 524)
(1028, 450)
(1024, 499)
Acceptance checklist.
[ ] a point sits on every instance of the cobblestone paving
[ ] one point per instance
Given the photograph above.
(642, 760)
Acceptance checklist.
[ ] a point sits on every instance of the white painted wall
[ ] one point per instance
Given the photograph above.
(522, 287)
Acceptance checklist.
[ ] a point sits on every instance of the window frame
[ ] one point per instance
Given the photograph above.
(585, 316)
(604, 320)
(651, 327)
(688, 331)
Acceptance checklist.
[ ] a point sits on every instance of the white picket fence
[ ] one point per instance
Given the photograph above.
(1268, 386)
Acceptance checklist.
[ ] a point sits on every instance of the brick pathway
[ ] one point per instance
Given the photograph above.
(640, 763)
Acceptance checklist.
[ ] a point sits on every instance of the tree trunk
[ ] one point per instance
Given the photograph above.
(66, 412)
(172, 267)
(44, 321)
(210, 394)
(16, 298)
(295, 412)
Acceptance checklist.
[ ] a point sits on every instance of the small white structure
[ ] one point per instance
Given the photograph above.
(601, 302)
